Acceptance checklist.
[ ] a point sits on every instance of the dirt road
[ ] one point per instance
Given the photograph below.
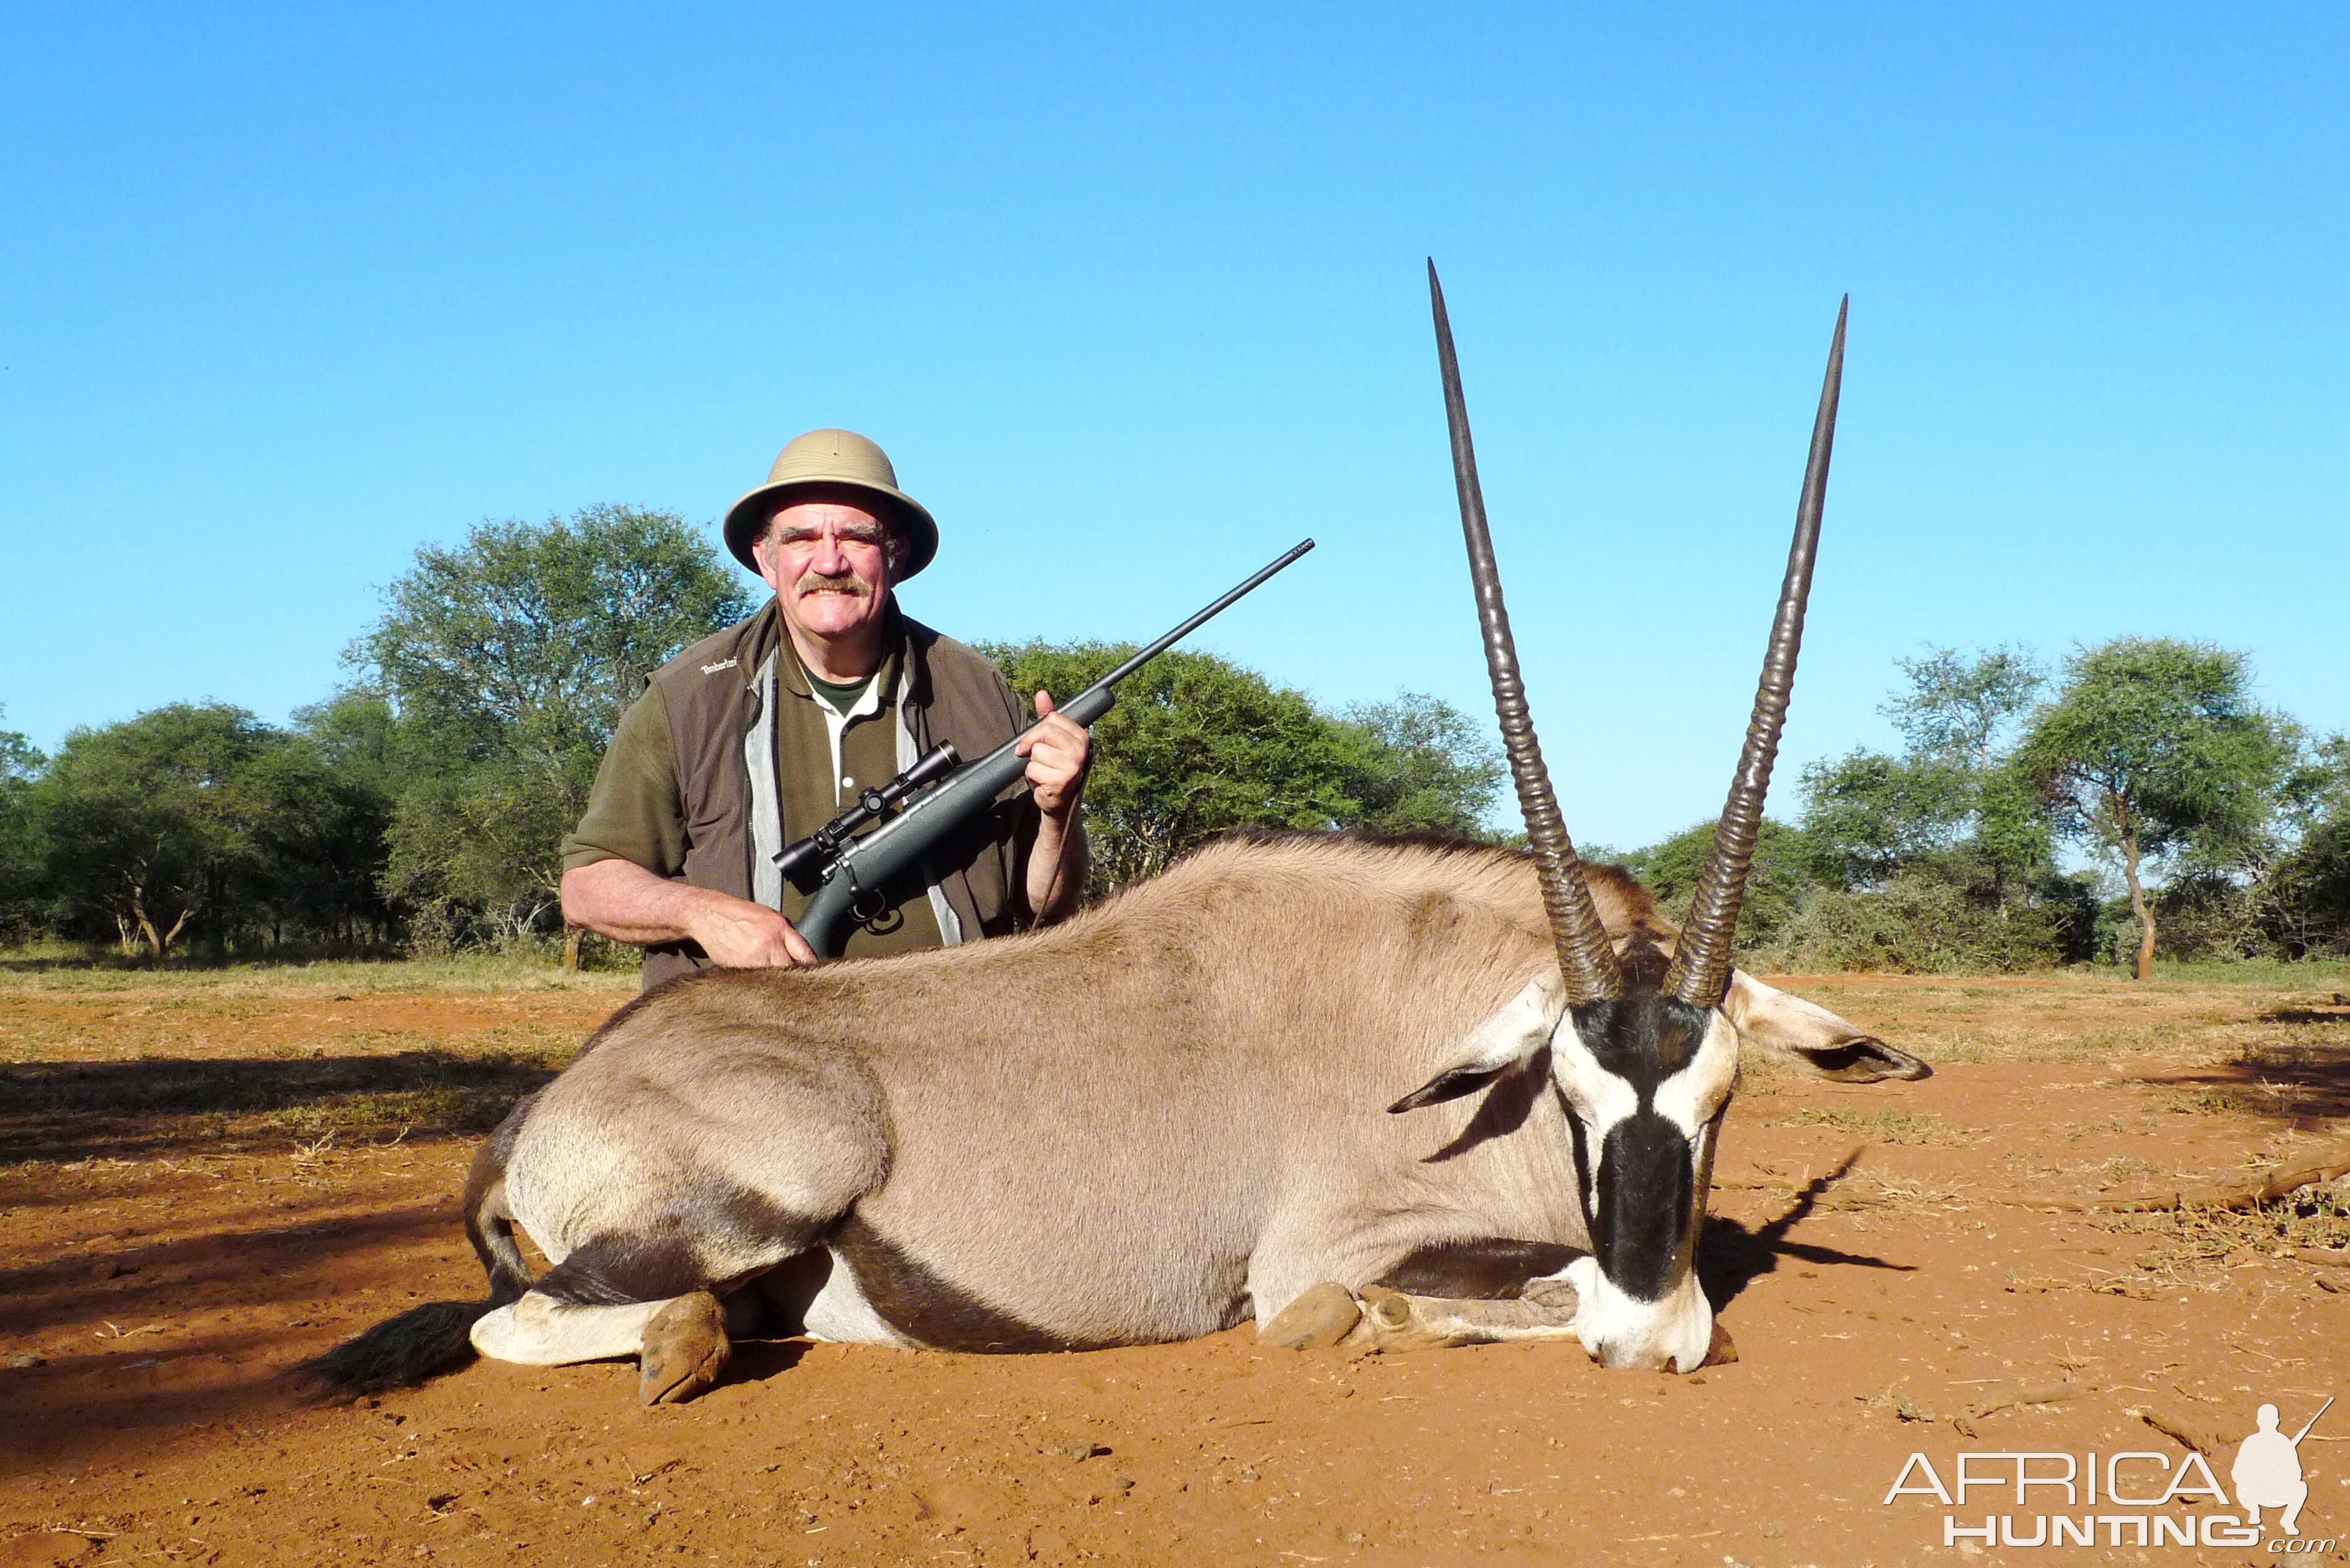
(205, 1183)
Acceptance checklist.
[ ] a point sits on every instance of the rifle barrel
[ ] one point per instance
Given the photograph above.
(1197, 621)
(2312, 1421)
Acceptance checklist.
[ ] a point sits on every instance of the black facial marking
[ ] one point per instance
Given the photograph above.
(1579, 1141)
(1488, 1269)
(932, 1311)
(1643, 1213)
(1642, 1039)
(1643, 1210)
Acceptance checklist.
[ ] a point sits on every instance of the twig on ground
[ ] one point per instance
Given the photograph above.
(2056, 1394)
(2185, 1433)
(2273, 1183)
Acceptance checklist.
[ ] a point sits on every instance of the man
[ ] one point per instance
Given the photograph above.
(754, 738)
(2267, 1473)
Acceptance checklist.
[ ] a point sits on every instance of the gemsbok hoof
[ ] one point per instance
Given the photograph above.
(1722, 1352)
(685, 1349)
(1315, 1321)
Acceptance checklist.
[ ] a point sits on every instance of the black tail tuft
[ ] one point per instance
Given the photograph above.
(420, 1343)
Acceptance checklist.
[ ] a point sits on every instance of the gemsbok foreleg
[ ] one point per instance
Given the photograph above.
(1385, 1319)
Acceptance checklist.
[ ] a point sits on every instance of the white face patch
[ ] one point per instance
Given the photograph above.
(1689, 1099)
(1618, 1331)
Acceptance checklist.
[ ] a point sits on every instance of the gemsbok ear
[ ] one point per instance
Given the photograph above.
(1808, 1036)
(1855, 1059)
(1508, 1038)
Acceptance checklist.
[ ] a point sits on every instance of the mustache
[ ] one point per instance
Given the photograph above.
(847, 582)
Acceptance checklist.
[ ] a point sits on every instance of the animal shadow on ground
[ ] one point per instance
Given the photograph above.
(252, 1258)
(756, 1360)
(2303, 1075)
(1730, 1256)
(83, 1110)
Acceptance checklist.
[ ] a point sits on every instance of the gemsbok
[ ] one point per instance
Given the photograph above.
(1480, 1088)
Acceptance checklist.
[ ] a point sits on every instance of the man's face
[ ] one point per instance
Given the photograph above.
(827, 557)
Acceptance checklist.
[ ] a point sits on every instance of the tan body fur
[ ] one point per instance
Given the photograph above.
(1148, 1123)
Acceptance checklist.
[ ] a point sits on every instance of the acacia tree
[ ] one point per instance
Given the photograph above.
(198, 818)
(1775, 884)
(1945, 805)
(1956, 706)
(506, 663)
(2154, 746)
(2304, 899)
(1421, 765)
(144, 823)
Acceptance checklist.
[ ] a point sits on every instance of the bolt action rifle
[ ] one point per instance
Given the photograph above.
(939, 793)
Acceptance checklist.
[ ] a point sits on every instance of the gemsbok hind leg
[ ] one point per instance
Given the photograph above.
(661, 1191)
(647, 1278)
(658, 1302)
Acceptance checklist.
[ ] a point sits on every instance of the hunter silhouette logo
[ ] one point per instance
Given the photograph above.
(2134, 1497)
(2267, 1471)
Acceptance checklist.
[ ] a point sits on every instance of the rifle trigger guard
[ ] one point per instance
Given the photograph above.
(865, 904)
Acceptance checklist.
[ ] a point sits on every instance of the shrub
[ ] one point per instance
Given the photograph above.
(1912, 925)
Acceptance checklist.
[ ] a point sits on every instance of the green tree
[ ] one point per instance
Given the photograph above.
(145, 823)
(1944, 808)
(2154, 746)
(1775, 888)
(2304, 899)
(1423, 766)
(1199, 746)
(1956, 707)
(506, 663)
(1869, 816)
(20, 854)
(316, 822)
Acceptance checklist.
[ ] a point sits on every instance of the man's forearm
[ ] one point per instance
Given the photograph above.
(622, 900)
(1059, 865)
(628, 904)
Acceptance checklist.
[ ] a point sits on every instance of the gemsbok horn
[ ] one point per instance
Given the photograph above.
(1586, 957)
(1700, 968)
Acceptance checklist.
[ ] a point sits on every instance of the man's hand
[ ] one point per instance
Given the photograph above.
(741, 935)
(630, 904)
(1058, 751)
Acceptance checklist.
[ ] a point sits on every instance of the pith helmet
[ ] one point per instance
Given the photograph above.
(833, 457)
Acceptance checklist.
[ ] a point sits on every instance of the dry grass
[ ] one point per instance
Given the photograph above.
(468, 973)
(2191, 1249)
(183, 1064)
(1881, 1126)
(2263, 1017)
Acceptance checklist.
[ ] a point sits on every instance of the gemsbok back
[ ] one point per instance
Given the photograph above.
(1412, 1093)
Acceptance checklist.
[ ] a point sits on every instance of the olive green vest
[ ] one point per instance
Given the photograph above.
(722, 699)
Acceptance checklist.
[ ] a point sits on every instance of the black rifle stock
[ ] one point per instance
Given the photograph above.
(901, 841)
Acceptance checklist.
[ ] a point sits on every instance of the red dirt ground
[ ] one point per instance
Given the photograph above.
(207, 1189)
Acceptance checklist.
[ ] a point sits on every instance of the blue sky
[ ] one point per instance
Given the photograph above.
(1134, 300)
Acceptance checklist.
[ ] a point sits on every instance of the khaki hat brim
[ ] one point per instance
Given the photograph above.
(749, 515)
